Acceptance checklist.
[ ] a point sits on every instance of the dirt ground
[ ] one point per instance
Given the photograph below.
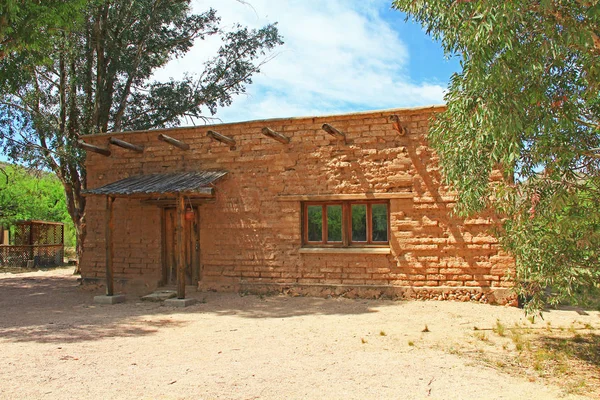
(57, 344)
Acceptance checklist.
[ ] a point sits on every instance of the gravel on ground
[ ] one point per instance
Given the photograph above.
(57, 344)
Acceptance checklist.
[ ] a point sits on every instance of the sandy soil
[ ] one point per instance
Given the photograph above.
(57, 344)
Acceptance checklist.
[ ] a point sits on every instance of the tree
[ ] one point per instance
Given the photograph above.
(98, 78)
(526, 103)
(28, 24)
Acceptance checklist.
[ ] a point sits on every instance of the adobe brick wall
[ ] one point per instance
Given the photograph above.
(250, 237)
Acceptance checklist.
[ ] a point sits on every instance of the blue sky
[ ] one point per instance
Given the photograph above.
(339, 56)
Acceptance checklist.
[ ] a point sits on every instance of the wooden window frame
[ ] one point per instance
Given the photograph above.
(346, 224)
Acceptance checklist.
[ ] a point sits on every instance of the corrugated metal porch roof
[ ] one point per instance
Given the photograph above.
(197, 182)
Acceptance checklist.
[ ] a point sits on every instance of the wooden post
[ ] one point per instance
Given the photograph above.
(95, 149)
(397, 123)
(126, 145)
(275, 135)
(196, 253)
(334, 132)
(221, 138)
(180, 247)
(172, 141)
(108, 242)
(30, 243)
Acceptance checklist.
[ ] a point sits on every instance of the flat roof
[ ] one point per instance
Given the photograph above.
(358, 113)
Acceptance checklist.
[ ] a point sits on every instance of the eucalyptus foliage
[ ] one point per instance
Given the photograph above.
(28, 24)
(98, 77)
(527, 104)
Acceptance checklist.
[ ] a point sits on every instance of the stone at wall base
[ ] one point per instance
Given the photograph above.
(180, 302)
(499, 296)
(104, 299)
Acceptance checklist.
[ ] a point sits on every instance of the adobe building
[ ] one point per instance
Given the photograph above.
(336, 205)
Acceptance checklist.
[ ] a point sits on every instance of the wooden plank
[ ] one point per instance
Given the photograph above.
(172, 232)
(346, 224)
(172, 202)
(180, 248)
(345, 250)
(163, 244)
(89, 147)
(38, 222)
(197, 246)
(108, 242)
(172, 141)
(187, 241)
(275, 135)
(27, 246)
(126, 145)
(360, 196)
(221, 138)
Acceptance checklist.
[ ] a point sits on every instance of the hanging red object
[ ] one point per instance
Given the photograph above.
(189, 214)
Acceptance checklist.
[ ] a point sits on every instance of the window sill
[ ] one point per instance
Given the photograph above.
(344, 250)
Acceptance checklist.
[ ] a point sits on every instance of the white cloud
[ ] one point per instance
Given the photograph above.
(338, 56)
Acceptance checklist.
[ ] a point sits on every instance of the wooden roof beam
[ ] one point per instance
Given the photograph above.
(90, 147)
(334, 132)
(275, 135)
(397, 122)
(172, 141)
(221, 138)
(126, 145)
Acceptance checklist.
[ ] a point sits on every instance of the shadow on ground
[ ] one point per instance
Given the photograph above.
(54, 308)
(586, 348)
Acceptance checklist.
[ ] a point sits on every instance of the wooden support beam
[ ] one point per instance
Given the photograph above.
(180, 256)
(126, 145)
(200, 192)
(221, 138)
(90, 147)
(402, 129)
(334, 132)
(171, 202)
(108, 243)
(275, 135)
(172, 141)
(341, 197)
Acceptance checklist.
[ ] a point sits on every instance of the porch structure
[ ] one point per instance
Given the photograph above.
(32, 244)
(171, 189)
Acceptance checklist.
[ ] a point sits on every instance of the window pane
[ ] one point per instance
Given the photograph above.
(379, 220)
(359, 223)
(315, 223)
(334, 223)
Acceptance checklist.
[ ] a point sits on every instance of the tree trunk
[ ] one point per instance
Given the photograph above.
(76, 208)
(80, 233)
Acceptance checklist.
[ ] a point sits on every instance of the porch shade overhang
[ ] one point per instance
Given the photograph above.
(197, 183)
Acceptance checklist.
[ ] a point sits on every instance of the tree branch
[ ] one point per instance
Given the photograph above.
(127, 89)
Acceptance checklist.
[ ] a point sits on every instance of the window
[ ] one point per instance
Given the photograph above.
(345, 223)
